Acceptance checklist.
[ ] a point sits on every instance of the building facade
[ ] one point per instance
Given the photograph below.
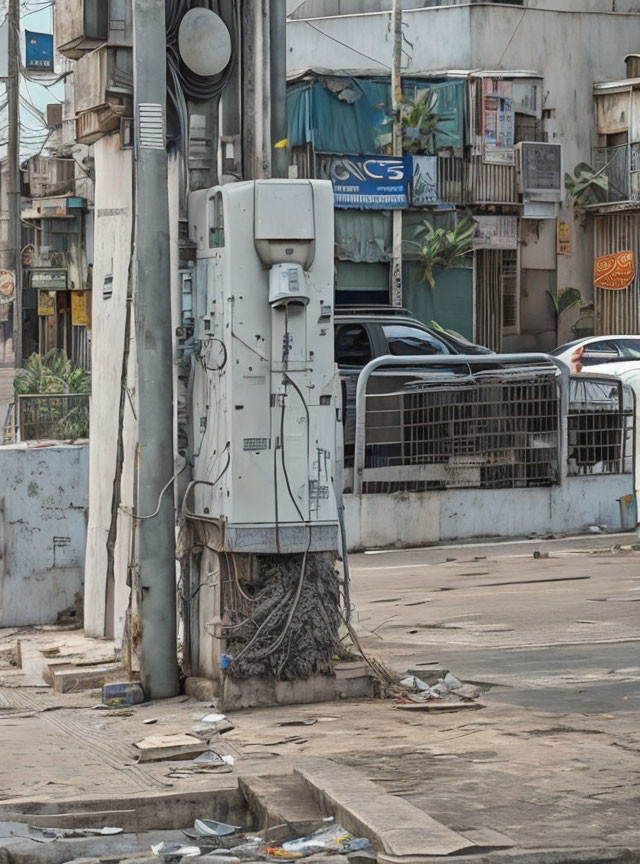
(524, 78)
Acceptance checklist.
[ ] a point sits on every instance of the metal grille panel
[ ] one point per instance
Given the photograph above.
(489, 430)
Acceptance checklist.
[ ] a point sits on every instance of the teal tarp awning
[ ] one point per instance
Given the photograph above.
(340, 115)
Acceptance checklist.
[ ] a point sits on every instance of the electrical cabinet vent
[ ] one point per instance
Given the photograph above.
(150, 126)
(256, 444)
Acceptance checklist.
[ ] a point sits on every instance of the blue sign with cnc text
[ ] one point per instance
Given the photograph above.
(38, 53)
(369, 182)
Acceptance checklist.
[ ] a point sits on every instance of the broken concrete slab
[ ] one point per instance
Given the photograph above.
(157, 748)
(349, 681)
(282, 803)
(70, 680)
(221, 799)
(393, 825)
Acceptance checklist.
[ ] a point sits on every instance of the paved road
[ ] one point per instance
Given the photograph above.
(554, 759)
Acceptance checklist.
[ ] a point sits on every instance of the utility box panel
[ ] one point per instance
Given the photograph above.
(265, 396)
(38, 53)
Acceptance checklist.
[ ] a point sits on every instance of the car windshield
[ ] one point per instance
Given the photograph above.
(404, 340)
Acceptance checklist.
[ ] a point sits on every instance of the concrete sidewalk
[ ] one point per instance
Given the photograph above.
(551, 762)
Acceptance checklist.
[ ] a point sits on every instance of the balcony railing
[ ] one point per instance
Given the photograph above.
(621, 166)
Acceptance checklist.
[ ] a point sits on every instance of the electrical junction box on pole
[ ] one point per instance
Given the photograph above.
(265, 399)
(38, 55)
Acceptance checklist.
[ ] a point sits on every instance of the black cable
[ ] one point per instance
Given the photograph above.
(284, 464)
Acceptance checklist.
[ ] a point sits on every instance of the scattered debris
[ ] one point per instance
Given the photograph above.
(159, 747)
(50, 652)
(442, 689)
(174, 850)
(64, 833)
(414, 683)
(123, 693)
(538, 554)
(13, 656)
(205, 763)
(330, 838)
(210, 827)
(212, 724)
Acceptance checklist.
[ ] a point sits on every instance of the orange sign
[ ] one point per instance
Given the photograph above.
(614, 272)
(7, 285)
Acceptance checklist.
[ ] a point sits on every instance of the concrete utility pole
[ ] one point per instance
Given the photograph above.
(156, 570)
(13, 155)
(278, 55)
(396, 101)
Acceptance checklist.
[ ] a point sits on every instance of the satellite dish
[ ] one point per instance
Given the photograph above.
(204, 42)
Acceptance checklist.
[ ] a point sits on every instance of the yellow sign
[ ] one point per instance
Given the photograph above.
(7, 285)
(46, 302)
(614, 272)
(79, 311)
(564, 238)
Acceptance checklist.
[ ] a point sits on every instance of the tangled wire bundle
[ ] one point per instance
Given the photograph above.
(273, 639)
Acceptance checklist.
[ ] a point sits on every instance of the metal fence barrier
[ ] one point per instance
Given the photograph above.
(600, 426)
(491, 422)
(52, 417)
(476, 422)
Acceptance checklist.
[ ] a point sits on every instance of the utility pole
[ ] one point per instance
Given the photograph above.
(13, 155)
(156, 568)
(278, 80)
(396, 101)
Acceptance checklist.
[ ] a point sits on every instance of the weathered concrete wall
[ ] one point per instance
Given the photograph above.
(421, 518)
(43, 530)
(319, 8)
(106, 602)
(113, 219)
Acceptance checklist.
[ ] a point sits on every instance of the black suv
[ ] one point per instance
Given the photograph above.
(365, 332)
(362, 333)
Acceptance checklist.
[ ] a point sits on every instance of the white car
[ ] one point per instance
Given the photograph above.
(599, 351)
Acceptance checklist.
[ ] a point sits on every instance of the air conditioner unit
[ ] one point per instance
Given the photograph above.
(104, 91)
(81, 26)
(540, 176)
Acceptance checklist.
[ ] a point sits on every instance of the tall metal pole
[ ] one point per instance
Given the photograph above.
(13, 155)
(396, 101)
(278, 58)
(156, 569)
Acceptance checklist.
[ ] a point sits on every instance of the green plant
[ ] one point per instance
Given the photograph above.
(564, 300)
(421, 123)
(586, 186)
(62, 412)
(442, 247)
(51, 373)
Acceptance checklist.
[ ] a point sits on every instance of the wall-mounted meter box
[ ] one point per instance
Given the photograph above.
(284, 223)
